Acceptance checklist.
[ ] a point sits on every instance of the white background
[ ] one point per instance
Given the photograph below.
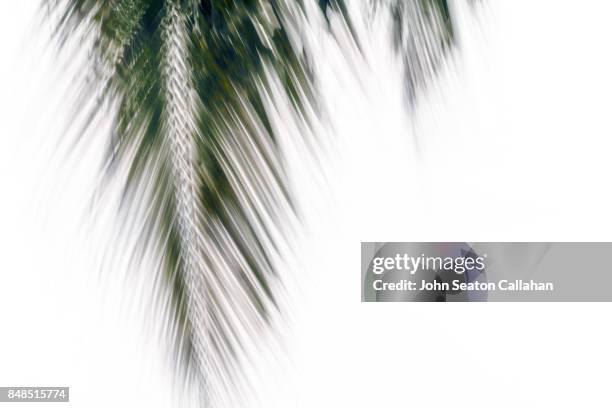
(513, 144)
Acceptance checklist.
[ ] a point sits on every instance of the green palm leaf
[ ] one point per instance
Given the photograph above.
(186, 81)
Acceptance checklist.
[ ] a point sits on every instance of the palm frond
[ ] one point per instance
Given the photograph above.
(185, 81)
(423, 33)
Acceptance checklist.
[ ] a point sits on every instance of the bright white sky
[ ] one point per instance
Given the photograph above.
(513, 144)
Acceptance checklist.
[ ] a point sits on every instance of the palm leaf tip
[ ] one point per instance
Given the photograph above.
(423, 33)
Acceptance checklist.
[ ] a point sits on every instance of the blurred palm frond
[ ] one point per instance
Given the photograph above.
(186, 84)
